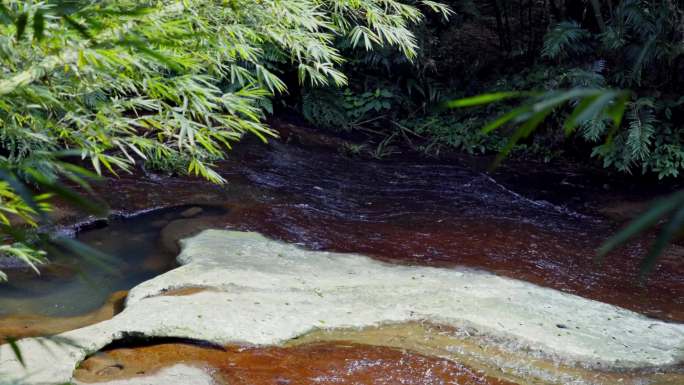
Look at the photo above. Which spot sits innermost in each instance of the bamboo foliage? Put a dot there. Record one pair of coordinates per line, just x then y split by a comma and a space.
165, 82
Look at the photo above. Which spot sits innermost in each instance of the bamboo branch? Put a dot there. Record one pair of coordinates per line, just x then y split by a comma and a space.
70, 56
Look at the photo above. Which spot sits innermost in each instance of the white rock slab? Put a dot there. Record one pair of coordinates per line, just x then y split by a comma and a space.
267, 292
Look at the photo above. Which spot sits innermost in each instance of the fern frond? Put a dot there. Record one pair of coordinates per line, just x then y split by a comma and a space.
641, 121
564, 38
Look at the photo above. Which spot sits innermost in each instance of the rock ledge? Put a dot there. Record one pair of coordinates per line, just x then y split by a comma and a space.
267, 292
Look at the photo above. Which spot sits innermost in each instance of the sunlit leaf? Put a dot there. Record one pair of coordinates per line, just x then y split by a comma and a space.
483, 99
21, 190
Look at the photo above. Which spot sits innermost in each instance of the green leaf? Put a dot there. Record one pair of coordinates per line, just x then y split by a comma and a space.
22, 191
524, 131
80, 28
617, 111
38, 25
483, 99
675, 224
21, 22
573, 120
643, 222
15, 349
5, 15
89, 254
591, 107
67, 194
505, 118
555, 98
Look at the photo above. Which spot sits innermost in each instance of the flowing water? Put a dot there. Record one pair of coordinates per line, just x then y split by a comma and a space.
417, 213
437, 214
403, 212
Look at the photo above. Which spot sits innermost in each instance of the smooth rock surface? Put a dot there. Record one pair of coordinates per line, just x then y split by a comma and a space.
267, 292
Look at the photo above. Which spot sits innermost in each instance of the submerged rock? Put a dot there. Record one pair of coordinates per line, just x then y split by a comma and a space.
22, 326
176, 230
192, 212
310, 364
266, 292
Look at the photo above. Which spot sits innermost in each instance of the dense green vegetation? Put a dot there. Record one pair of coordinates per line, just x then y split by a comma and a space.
95, 86
106, 84
90, 87
591, 80
505, 45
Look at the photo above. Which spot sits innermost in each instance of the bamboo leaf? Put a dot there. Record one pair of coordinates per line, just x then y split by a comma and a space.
591, 107
483, 99
617, 111
23, 192
522, 132
5, 15
573, 120
505, 118
67, 194
675, 224
16, 350
81, 28
643, 222
20, 24
38, 25
89, 254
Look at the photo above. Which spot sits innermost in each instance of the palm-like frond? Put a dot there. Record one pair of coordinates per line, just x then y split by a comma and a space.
564, 38
641, 121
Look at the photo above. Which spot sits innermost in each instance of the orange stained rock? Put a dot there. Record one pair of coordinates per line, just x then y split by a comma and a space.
336, 363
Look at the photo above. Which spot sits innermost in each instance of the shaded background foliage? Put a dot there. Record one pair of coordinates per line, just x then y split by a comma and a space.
504, 45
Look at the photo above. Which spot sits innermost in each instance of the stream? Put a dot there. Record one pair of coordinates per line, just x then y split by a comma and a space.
427, 214
417, 213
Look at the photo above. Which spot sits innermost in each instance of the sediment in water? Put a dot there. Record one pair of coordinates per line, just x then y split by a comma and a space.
315, 363
414, 353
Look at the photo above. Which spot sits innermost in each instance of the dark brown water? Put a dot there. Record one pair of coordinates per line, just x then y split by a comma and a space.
410, 213
443, 215
417, 213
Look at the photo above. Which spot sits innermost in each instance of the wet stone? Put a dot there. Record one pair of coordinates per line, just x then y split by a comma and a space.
192, 212
179, 229
336, 363
252, 279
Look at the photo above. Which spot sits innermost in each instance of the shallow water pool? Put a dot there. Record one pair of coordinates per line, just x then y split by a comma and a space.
70, 286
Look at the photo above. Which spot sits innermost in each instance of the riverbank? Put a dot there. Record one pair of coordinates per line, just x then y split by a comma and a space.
268, 293
434, 214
